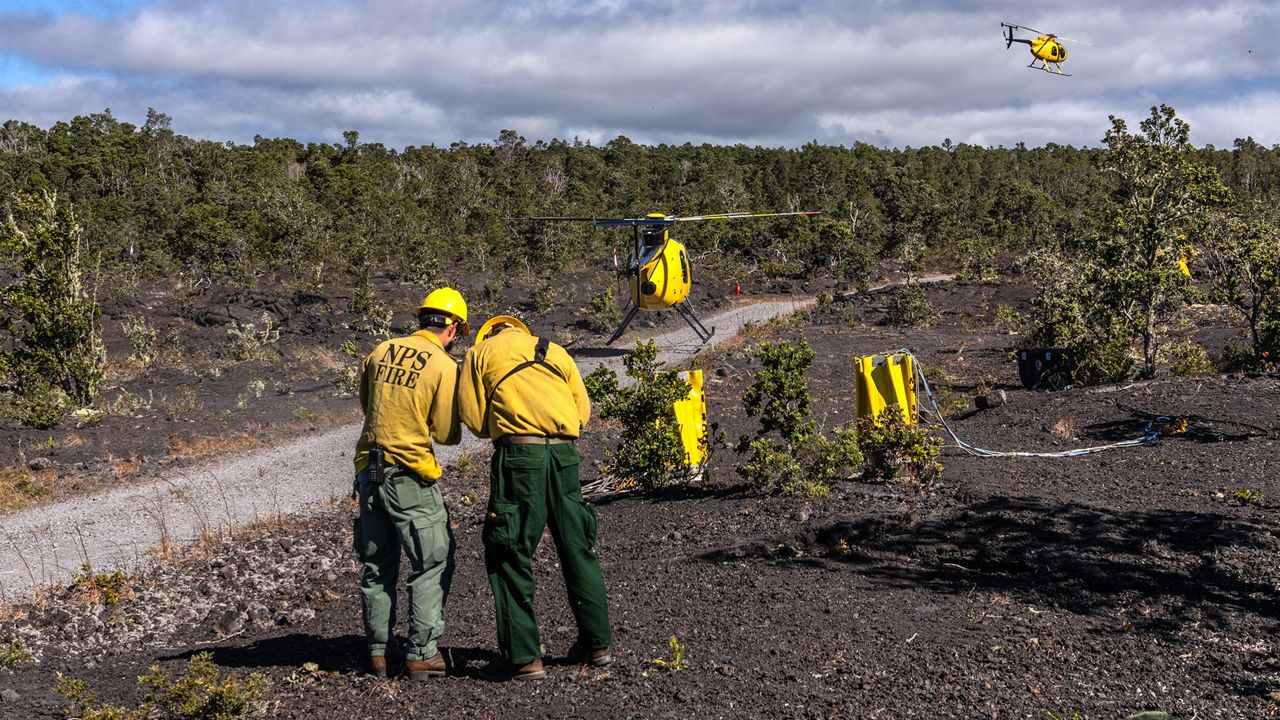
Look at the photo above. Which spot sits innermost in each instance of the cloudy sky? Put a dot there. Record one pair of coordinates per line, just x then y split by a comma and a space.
415, 72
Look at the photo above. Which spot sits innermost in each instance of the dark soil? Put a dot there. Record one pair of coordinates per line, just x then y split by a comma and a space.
1126, 581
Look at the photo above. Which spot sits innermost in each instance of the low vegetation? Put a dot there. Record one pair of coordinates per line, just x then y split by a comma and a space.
788, 453
201, 692
674, 661
101, 588
650, 453
899, 451
12, 653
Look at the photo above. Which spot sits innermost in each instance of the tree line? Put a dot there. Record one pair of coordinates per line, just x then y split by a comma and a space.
160, 202
1118, 238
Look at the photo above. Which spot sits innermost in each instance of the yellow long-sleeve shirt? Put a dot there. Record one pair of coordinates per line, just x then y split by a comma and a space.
408, 391
533, 401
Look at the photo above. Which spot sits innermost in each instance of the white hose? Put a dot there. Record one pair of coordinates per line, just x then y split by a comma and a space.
1150, 434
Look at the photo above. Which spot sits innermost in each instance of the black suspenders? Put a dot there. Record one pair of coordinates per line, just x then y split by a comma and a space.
539, 358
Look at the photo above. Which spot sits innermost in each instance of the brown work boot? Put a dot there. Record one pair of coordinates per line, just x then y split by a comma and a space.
422, 669
581, 654
378, 666
504, 670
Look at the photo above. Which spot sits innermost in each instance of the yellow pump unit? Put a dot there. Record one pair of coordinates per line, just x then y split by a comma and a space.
691, 416
885, 380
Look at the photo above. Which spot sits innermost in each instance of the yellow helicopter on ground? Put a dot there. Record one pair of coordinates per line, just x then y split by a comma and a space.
1045, 48
659, 275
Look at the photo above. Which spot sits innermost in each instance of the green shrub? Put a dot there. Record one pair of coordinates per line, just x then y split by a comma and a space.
200, 693
809, 465
603, 307
778, 394
788, 454
1244, 256
650, 451
542, 300
373, 316
909, 307
42, 405
104, 588
13, 652
850, 259
1189, 360
976, 257
1234, 358
346, 380
252, 342
142, 337
57, 358
1010, 320
897, 452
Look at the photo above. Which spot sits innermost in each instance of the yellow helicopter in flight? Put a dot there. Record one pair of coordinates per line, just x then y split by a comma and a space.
1045, 48
659, 275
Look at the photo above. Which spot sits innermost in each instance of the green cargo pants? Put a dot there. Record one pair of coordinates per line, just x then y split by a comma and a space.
532, 487
403, 513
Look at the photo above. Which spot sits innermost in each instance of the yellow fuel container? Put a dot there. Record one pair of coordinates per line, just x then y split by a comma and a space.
885, 380
691, 415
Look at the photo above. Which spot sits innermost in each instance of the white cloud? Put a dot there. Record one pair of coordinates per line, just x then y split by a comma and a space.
655, 70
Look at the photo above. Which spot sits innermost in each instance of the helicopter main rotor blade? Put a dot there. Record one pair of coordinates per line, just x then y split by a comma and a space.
598, 222
1082, 42
659, 221
737, 215
1011, 26
631, 222
555, 218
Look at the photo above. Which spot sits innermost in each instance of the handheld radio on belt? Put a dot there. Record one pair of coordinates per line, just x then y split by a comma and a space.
377, 464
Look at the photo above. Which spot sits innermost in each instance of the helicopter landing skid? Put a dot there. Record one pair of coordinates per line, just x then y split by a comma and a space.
1045, 67
686, 312
622, 326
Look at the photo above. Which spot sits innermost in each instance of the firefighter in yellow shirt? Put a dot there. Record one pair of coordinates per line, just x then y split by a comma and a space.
526, 394
407, 390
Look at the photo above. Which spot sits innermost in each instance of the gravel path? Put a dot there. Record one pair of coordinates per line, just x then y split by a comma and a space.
48, 544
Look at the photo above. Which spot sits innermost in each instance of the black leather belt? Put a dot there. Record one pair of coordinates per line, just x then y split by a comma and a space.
532, 440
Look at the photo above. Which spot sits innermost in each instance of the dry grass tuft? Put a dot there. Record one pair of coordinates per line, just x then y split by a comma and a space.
95, 588
188, 448
472, 466
10, 613
20, 487
1065, 427
127, 466
306, 417
319, 357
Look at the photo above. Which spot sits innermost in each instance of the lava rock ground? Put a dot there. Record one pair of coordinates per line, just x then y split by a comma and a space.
1105, 585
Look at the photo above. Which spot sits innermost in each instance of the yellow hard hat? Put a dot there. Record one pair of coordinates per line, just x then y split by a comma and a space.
497, 320
448, 301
